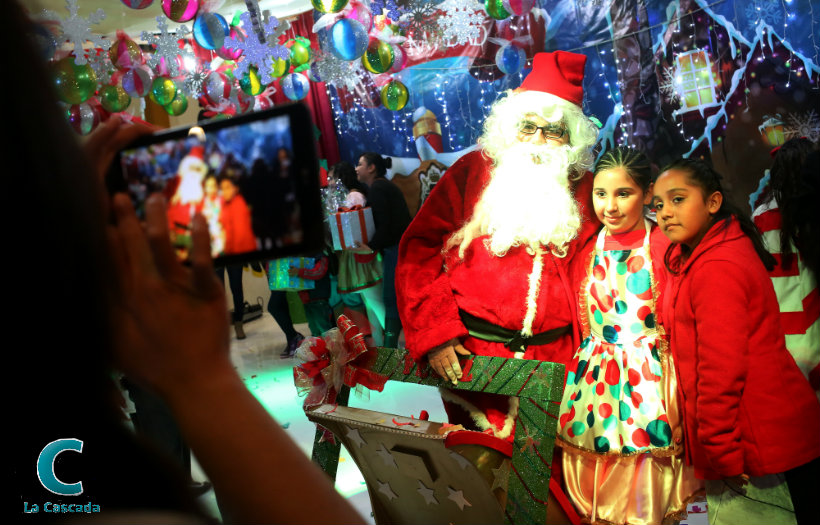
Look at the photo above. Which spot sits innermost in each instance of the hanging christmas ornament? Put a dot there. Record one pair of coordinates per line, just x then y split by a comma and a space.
180, 10
495, 8
261, 47
250, 84
348, 39
459, 24
210, 30
244, 101
167, 48
399, 58
124, 52
360, 13
178, 105
163, 90
279, 68
44, 40
114, 99
295, 86
83, 118
137, 81
394, 95
300, 53
510, 59
378, 58
328, 6
217, 89
74, 83
519, 7
313, 72
237, 35
137, 4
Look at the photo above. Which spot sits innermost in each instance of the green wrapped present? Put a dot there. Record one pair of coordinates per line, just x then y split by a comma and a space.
279, 279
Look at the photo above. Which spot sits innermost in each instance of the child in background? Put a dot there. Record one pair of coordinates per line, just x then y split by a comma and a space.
790, 228
318, 312
751, 420
619, 418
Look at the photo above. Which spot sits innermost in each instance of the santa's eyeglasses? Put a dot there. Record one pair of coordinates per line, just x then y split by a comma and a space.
554, 131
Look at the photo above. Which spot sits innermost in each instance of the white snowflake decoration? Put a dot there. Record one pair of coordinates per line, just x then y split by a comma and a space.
460, 23
764, 11
77, 30
259, 54
805, 125
352, 122
194, 82
339, 73
669, 84
102, 66
167, 47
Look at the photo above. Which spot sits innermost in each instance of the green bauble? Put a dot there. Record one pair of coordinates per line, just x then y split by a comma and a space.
379, 56
114, 99
394, 95
178, 105
163, 90
328, 6
279, 67
299, 51
250, 82
75, 84
495, 8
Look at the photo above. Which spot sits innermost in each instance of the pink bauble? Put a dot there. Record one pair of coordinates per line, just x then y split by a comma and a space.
227, 53
361, 13
136, 81
180, 10
399, 58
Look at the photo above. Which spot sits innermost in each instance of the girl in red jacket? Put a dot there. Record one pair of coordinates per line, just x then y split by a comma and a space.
751, 420
620, 426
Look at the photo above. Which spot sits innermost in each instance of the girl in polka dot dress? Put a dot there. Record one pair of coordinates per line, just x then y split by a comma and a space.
619, 423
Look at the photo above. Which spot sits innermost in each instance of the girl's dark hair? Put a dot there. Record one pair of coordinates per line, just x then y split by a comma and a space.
707, 179
382, 164
635, 163
793, 191
345, 172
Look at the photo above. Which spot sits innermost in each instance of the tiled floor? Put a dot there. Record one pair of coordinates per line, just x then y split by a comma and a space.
270, 378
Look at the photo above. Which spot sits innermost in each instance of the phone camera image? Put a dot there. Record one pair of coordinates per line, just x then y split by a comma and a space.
251, 178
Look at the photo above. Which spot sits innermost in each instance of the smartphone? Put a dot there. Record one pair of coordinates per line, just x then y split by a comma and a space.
254, 177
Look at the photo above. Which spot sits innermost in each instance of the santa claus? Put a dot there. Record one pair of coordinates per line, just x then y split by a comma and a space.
185, 193
483, 267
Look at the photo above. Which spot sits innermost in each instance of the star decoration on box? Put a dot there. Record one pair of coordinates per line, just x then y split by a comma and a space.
77, 30
259, 53
460, 23
386, 456
427, 493
385, 489
458, 497
355, 436
529, 443
461, 460
501, 476
167, 47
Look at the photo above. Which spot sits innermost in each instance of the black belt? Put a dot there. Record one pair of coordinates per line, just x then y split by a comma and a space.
514, 340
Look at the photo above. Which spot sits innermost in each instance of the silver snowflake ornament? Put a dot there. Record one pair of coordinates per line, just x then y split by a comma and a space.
805, 125
102, 66
338, 72
259, 52
669, 84
77, 30
460, 23
419, 17
193, 84
167, 47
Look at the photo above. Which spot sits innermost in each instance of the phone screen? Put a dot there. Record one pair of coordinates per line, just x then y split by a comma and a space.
250, 177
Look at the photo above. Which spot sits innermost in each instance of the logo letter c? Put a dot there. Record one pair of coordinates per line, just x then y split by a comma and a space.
45, 467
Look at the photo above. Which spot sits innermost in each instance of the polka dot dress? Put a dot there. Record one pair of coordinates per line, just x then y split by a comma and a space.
613, 399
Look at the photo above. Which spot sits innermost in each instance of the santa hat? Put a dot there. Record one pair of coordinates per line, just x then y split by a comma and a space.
558, 73
198, 152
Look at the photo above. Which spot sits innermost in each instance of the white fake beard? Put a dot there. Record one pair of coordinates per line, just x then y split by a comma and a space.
527, 203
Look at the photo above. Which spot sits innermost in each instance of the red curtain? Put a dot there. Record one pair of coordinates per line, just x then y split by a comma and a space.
317, 100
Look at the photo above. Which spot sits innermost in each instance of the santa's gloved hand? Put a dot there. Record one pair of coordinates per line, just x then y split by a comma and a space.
443, 359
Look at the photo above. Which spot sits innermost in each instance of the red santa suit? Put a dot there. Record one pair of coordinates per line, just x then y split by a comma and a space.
436, 289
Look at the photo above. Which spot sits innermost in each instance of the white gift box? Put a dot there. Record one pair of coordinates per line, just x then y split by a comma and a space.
352, 227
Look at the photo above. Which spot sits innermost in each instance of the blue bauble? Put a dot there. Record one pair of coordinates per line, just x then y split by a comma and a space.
510, 59
348, 39
210, 30
295, 86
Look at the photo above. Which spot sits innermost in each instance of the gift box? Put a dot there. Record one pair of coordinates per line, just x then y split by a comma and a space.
352, 226
279, 279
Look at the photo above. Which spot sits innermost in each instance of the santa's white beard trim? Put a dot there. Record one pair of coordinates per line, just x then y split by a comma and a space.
532, 292
478, 416
526, 203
